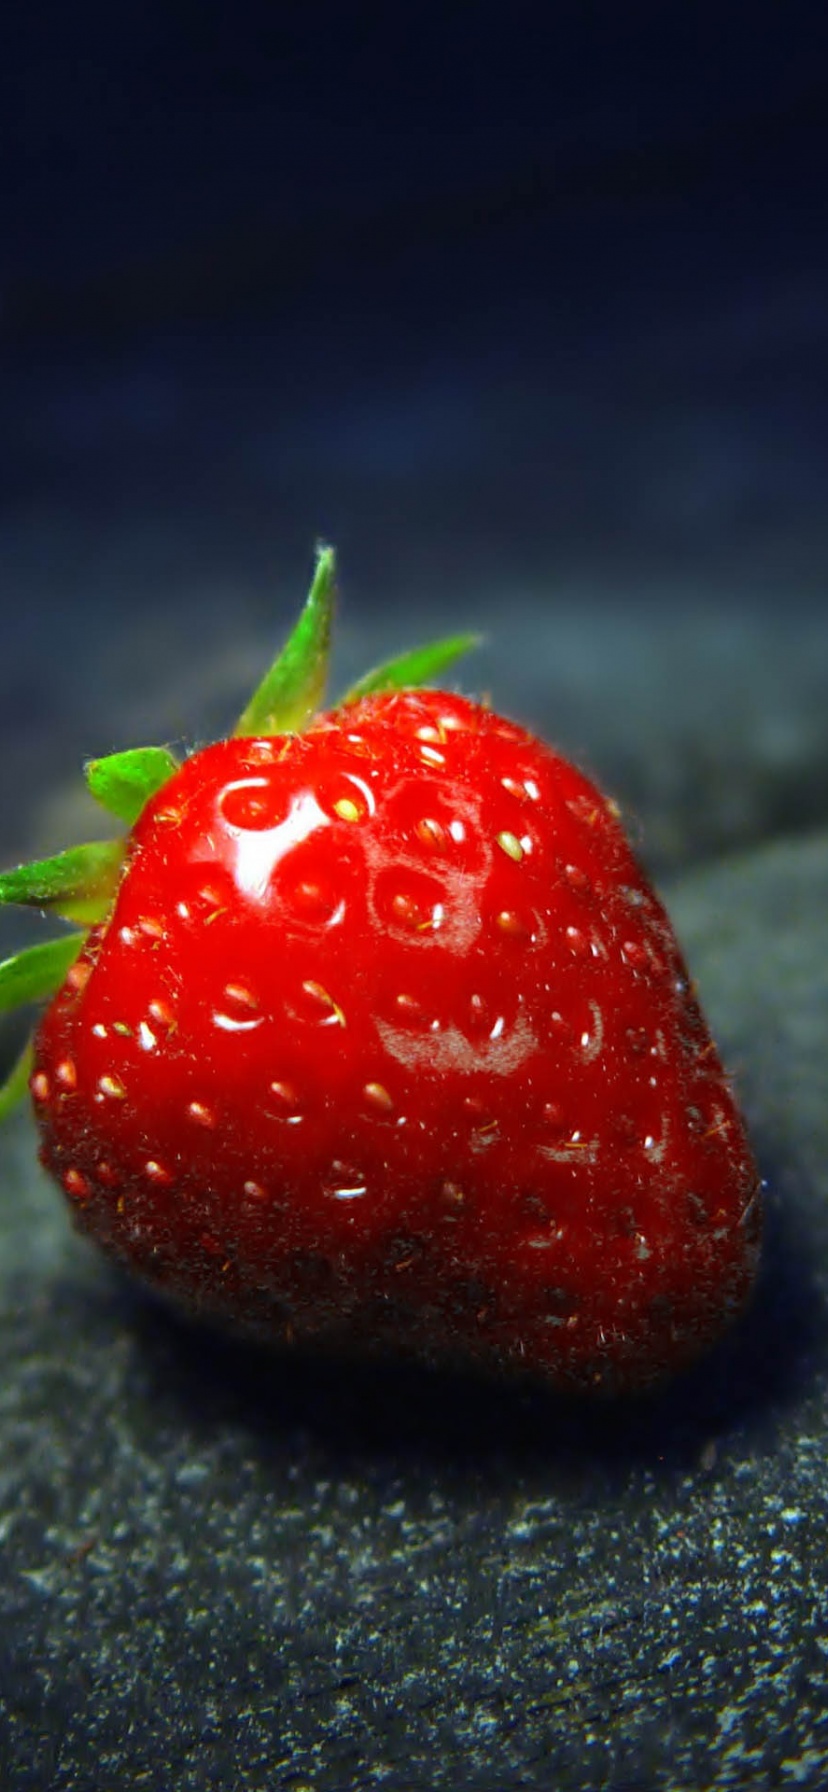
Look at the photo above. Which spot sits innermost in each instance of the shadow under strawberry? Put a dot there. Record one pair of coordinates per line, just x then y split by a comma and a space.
367, 1411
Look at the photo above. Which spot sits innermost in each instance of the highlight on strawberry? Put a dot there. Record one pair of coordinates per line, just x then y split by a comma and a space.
369, 1033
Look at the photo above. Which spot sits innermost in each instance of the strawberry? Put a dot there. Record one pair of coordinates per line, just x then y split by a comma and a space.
375, 1035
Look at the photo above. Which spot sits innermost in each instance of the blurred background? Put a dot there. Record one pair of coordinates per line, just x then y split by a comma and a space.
525, 309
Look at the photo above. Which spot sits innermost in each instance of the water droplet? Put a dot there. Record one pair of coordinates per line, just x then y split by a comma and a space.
66, 1075
198, 1112
99, 1030
146, 1037
577, 941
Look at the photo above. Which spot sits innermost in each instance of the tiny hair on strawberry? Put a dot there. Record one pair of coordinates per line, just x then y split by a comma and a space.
369, 1034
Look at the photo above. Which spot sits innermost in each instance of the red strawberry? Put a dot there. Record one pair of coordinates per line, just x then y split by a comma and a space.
381, 1038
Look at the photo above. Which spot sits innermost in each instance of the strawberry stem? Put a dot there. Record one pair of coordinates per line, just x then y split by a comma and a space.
419, 666
16, 1084
293, 689
37, 971
78, 884
124, 782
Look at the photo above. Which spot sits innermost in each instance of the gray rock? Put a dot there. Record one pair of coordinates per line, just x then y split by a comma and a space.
220, 1569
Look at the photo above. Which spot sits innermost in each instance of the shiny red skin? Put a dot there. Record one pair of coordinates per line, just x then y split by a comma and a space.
388, 1043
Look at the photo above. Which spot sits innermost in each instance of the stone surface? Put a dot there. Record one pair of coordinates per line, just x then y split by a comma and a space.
220, 1569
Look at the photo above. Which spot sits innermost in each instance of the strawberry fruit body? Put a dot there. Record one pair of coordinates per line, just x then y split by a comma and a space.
384, 1041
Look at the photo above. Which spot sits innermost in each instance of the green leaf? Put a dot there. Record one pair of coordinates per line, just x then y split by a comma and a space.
16, 1084
294, 688
420, 666
37, 971
124, 782
78, 884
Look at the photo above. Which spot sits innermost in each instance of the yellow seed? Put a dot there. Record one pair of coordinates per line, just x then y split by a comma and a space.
75, 1183
238, 992
430, 832
157, 1173
378, 1096
453, 1192
510, 844
510, 923
203, 1116
347, 809
321, 995
112, 1085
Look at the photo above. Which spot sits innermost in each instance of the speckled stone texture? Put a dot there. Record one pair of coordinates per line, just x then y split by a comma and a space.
220, 1569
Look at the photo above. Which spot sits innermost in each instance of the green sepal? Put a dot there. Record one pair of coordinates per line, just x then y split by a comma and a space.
419, 666
293, 690
78, 884
124, 782
37, 971
16, 1083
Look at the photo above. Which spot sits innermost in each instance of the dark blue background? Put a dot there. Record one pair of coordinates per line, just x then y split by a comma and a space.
526, 311
535, 290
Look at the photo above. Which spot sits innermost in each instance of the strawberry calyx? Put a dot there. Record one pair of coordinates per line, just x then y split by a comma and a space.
80, 884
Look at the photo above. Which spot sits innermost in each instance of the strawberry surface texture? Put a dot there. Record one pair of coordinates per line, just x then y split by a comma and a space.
384, 1042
